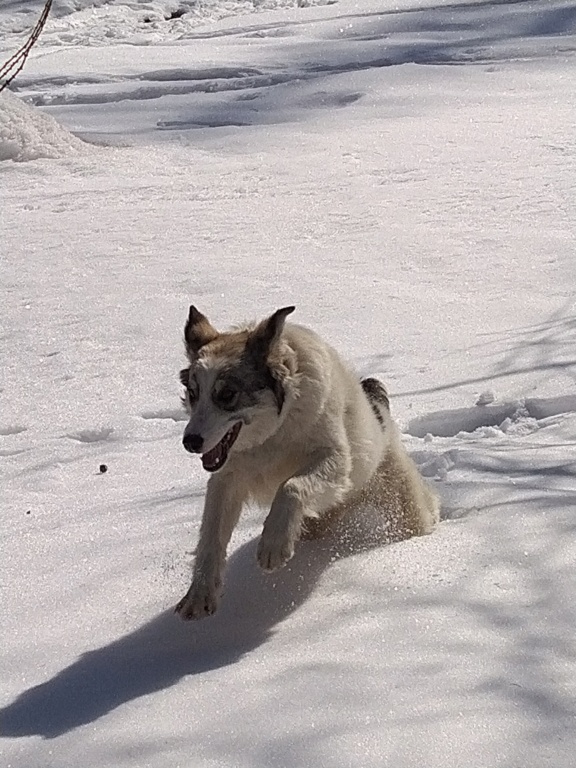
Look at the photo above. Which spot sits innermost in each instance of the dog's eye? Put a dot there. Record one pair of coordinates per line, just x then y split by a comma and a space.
192, 394
226, 396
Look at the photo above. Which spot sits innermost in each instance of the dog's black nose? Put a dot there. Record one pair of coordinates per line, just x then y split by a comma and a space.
193, 443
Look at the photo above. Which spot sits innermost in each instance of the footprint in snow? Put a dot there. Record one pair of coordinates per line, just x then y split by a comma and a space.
92, 435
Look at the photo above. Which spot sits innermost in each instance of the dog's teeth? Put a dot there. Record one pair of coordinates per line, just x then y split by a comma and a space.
216, 458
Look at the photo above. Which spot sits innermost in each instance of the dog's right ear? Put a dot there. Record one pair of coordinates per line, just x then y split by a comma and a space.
198, 332
267, 333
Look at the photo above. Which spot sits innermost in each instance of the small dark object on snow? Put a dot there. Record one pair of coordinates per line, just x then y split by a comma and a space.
177, 14
27, 511
103, 468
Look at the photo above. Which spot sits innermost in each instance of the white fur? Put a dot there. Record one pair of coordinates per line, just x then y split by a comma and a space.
324, 454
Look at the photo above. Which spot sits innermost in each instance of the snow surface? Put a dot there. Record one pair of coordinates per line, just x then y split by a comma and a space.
406, 176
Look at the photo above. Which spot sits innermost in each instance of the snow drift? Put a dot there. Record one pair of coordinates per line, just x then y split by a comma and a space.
26, 133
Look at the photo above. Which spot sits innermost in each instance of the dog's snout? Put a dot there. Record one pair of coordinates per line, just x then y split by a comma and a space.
193, 443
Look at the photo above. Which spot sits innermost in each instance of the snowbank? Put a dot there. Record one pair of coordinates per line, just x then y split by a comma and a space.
28, 134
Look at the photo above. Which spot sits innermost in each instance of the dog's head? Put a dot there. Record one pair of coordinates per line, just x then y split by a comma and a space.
235, 383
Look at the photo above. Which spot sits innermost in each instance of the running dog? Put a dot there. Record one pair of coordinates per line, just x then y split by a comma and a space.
279, 419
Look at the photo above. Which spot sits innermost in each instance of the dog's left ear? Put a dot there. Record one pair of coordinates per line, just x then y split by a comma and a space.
267, 333
198, 331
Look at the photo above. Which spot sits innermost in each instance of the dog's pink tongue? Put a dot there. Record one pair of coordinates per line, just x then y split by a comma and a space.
213, 458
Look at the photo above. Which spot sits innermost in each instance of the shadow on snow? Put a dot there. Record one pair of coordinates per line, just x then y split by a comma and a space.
161, 652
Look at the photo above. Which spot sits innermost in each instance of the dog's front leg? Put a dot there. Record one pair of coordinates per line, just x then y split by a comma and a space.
321, 486
221, 512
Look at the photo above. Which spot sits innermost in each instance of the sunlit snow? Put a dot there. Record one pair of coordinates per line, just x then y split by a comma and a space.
405, 174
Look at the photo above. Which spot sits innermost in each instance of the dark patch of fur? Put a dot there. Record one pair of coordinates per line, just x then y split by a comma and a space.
250, 379
259, 361
267, 376
229, 383
277, 390
265, 379
246, 378
377, 396
263, 346
267, 333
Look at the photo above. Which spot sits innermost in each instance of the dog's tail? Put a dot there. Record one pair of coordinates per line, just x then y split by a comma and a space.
377, 396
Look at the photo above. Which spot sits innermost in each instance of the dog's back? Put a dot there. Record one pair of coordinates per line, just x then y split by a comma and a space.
330, 409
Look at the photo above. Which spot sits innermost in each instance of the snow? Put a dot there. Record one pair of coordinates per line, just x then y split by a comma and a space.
405, 175
28, 134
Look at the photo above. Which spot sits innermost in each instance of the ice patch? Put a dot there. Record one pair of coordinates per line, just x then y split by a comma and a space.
28, 134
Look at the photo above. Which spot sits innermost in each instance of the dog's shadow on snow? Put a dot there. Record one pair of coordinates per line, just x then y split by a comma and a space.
166, 649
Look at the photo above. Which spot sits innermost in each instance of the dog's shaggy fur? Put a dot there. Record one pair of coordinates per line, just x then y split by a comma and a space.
278, 418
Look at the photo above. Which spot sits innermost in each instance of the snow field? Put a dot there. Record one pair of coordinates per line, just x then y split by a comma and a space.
405, 177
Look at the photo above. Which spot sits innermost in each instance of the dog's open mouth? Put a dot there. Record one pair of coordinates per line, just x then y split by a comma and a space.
216, 458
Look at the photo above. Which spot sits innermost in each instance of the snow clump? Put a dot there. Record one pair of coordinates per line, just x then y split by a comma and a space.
27, 133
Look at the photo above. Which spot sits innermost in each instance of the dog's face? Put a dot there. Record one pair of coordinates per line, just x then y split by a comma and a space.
234, 384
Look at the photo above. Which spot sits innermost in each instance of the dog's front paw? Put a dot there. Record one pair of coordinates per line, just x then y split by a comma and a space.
273, 554
200, 601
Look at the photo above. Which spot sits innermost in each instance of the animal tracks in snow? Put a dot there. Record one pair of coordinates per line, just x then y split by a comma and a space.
452, 422
173, 414
130, 433
12, 429
92, 435
158, 83
518, 418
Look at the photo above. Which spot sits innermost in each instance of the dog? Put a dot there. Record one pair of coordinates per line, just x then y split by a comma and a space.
279, 419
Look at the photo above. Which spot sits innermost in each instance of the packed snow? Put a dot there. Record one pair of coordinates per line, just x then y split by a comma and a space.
28, 134
405, 175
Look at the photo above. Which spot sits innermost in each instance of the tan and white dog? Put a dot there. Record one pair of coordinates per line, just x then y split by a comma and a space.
278, 418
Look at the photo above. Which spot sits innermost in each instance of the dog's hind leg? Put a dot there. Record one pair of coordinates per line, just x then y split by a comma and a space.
411, 507
221, 512
319, 527
322, 486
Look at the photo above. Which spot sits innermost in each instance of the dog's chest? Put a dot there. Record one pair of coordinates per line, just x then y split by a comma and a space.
263, 472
